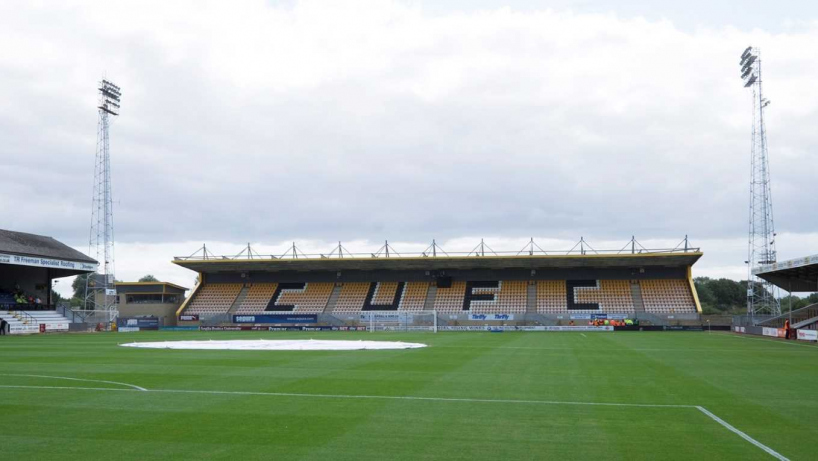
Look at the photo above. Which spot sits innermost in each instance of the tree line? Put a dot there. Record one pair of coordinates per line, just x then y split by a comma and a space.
727, 296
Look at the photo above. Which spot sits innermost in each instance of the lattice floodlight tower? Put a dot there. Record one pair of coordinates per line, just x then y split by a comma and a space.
761, 295
100, 292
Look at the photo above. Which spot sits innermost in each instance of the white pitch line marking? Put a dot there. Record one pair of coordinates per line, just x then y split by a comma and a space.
583, 335
347, 396
77, 379
709, 414
744, 436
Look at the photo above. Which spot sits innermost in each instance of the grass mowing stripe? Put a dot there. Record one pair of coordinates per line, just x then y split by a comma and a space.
731, 379
727, 425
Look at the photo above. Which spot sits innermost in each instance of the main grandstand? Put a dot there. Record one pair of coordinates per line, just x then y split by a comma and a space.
539, 287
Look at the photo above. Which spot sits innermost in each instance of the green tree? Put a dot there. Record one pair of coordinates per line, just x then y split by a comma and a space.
721, 295
148, 278
55, 297
78, 285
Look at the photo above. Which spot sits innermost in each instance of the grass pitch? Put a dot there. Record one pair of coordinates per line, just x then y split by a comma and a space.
528, 395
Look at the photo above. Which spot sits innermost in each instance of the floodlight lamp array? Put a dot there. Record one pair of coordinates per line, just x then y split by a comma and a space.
109, 96
749, 59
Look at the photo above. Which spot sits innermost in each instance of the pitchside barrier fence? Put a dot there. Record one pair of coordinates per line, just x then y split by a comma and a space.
435, 321
484, 328
800, 334
466, 319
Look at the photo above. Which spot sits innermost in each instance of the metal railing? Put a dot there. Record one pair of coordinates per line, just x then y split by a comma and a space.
797, 316
24, 317
581, 248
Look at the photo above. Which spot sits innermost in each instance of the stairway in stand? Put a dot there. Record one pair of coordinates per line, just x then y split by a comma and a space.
429, 304
333, 299
636, 293
239, 299
531, 299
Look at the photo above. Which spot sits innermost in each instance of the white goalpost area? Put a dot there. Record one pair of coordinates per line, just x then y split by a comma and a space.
400, 321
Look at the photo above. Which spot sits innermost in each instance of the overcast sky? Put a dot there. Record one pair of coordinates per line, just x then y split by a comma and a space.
308, 121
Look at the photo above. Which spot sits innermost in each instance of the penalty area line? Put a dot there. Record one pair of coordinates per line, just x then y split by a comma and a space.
741, 434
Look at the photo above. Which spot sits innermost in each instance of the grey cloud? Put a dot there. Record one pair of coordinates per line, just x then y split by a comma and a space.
467, 132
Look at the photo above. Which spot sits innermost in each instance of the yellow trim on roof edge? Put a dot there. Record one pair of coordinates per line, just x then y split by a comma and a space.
434, 258
693, 289
187, 300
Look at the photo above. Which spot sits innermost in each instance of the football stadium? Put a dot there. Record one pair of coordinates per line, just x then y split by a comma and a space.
533, 355
266, 122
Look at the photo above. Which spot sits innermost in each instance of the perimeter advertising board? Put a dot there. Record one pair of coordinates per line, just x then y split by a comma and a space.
276, 318
602, 316
290, 328
137, 324
808, 335
774, 332
525, 328
491, 316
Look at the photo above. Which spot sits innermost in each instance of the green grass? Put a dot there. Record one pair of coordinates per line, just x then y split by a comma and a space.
764, 388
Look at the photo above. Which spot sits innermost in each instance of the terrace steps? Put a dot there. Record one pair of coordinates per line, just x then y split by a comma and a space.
636, 293
429, 304
333, 299
237, 302
531, 299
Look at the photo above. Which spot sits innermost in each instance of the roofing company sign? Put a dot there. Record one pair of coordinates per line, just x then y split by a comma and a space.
36, 261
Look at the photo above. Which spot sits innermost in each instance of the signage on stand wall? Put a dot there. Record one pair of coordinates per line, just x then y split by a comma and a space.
50, 263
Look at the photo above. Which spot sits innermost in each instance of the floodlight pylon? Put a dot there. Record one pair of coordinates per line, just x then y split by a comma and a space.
100, 290
762, 296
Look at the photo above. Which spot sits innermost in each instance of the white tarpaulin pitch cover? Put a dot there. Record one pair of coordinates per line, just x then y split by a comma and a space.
278, 345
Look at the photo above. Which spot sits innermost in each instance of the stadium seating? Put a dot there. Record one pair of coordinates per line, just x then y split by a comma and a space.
257, 299
308, 298
353, 296
612, 296
450, 300
479, 297
551, 297
312, 299
504, 297
414, 296
214, 299
512, 298
667, 296
7, 298
509, 298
